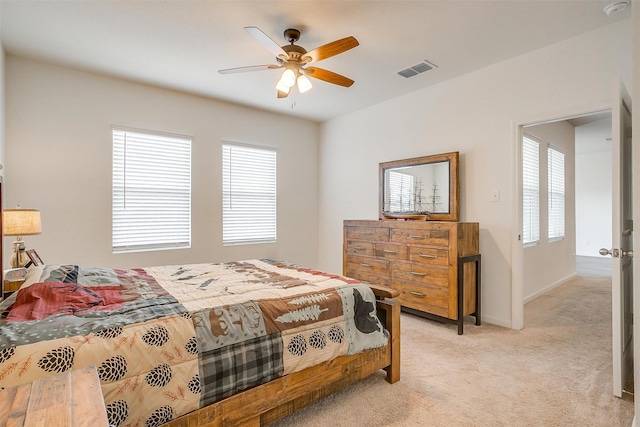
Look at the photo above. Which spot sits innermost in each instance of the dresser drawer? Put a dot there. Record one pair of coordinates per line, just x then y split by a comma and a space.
391, 251
368, 265
358, 247
420, 236
420, 274
371, 234
430, 300
368, 277
432, 256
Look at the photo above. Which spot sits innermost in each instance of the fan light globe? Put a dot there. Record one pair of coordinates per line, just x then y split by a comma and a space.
304, 84
282, 88
288, 78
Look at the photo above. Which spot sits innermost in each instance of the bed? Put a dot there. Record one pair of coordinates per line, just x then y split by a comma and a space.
239, 343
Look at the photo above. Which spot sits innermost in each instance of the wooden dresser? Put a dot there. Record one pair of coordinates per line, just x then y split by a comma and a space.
434, 265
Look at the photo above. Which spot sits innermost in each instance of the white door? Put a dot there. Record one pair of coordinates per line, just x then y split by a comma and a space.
622, 241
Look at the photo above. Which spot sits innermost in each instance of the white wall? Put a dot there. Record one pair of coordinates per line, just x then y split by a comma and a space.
475, 114
593, 188
59, 148
635, 94
2, 106
558, 256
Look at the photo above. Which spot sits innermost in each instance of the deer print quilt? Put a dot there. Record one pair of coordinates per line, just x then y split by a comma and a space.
170, 339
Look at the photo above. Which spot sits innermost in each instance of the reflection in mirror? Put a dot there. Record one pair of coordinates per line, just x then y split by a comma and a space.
420, 188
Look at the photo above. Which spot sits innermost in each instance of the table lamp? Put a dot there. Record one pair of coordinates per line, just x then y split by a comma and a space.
20, 222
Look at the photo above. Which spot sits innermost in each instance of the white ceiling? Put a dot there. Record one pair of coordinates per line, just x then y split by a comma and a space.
181, 44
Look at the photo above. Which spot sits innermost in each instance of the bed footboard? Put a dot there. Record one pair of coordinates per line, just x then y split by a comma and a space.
271, 401
389, 315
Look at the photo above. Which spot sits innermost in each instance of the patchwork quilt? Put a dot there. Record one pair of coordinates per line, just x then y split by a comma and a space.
168, 340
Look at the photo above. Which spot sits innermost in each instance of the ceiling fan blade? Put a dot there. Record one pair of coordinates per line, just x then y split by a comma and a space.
282, 94
328, 76
267, 42
330, 49
250, 68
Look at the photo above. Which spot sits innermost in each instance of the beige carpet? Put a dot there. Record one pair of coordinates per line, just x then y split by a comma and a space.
555, 372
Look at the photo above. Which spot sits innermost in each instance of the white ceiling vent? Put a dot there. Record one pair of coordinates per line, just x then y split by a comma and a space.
416, 69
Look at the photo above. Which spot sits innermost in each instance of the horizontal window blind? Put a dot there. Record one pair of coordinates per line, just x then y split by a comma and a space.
248, 195
151, 191
530, 191
556, 193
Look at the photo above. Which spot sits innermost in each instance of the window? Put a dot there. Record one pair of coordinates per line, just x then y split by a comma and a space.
556, 193
248, 195
530, 191
401, 186
151, 191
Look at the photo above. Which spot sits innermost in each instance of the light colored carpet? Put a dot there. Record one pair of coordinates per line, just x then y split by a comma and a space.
555, 372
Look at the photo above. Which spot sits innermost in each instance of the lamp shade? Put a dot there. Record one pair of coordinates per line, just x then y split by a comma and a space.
21, 222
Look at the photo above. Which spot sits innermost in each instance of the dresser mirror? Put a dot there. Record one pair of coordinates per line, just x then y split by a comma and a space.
420, 188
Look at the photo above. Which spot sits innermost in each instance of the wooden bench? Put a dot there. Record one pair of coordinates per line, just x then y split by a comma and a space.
70, 399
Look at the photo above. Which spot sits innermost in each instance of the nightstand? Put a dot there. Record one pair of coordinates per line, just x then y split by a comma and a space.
13, 279
10, 287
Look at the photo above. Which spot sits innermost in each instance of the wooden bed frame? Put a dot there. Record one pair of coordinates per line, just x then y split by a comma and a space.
268, 402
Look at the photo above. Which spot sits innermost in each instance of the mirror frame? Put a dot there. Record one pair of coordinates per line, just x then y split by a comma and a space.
454, 183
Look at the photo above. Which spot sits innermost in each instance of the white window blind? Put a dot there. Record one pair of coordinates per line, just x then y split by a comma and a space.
556, 193
401, 185
530, 191
151, 191
248, 195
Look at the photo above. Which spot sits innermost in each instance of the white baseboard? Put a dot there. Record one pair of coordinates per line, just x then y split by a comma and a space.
498, 322
548, 288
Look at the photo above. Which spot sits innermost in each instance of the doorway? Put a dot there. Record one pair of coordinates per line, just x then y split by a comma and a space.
584, 144
621, 190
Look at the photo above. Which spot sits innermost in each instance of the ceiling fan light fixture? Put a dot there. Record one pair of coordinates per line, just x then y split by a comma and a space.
282, 88
304, 84
288, 78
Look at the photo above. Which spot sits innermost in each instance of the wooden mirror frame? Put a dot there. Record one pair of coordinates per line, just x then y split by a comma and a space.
454, 183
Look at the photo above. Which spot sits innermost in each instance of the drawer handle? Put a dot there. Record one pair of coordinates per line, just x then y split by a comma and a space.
417, 294
366, 233
427, 255
387, 251
358, 248
417, 237
365, 265
417, 274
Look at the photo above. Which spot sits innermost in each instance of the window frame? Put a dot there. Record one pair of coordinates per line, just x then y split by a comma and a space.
553, 189
535, 236
237, 226
134, 185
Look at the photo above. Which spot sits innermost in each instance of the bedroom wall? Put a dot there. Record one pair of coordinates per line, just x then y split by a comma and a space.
593, 188
557, 257
476, 114
59, 151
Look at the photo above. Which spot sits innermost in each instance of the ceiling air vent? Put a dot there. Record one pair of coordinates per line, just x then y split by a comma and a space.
416, 69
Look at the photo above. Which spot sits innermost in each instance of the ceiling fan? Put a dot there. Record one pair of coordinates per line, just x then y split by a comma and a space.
295, 60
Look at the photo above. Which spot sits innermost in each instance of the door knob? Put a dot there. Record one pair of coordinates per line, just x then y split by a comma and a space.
628, 254
613, 252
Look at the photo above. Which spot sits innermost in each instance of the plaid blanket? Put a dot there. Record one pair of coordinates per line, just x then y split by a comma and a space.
170, 339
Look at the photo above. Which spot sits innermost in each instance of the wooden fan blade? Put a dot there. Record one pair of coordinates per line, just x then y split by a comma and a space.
267, 42
282, 94
328, 76
250, 68
330, 49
